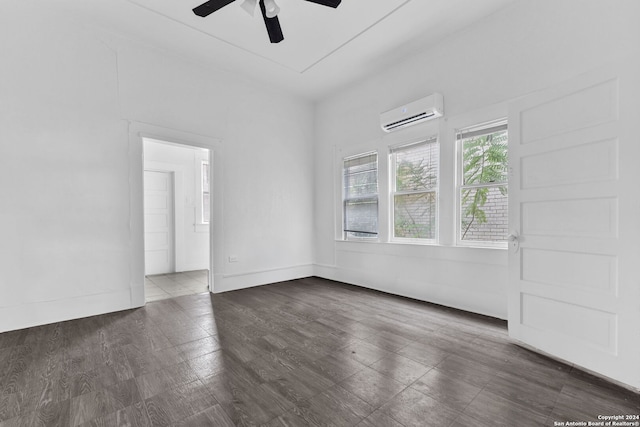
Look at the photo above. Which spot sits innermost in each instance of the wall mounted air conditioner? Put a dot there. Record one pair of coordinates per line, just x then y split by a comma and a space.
430, 107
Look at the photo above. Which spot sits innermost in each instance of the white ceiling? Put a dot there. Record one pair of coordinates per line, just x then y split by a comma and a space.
323, 50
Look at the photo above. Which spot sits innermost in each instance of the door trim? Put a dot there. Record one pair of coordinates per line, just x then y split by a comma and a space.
138, 131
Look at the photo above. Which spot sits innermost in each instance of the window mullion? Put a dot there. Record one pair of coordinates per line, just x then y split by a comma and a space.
492, 184
409, 192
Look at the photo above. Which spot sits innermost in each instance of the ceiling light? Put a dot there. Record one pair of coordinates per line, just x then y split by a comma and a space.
272, 8
249, 6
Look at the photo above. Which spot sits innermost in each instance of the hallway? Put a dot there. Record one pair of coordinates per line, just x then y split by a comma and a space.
163, 286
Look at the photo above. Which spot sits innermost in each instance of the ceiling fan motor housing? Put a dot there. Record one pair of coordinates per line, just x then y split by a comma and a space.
269, 11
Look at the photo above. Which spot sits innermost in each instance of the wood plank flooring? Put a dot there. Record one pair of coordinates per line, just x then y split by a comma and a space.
306, 352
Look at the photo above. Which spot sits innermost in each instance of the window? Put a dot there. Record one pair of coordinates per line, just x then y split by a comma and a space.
483, 165
360, 196
205, 192
414, 186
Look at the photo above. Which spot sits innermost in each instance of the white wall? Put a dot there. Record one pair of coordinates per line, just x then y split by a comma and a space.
527, 47
69, 174
191, 235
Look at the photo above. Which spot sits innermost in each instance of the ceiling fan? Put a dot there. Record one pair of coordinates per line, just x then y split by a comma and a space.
269, 10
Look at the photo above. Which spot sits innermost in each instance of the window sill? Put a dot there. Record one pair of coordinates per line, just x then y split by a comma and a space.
483, 245
498, 247
356, 240
417, 242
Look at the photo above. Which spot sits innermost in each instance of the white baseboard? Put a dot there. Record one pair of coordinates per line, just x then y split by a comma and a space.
46, 312
474, 302
41, 313
325, 271
193, 267
233, 282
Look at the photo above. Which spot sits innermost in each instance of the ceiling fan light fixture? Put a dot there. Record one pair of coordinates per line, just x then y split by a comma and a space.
271, 8
249, 6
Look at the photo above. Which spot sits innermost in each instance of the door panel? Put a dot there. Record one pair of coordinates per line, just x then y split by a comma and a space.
594, 273
574, 205
598, 161
594, 217
583, 108
158, 222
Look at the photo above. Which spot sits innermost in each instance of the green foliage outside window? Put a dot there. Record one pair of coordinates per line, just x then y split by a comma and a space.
485, 162
414, 213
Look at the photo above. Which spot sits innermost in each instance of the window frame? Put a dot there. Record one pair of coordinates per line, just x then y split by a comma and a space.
344, 233
204, 219
393, 150
460, 186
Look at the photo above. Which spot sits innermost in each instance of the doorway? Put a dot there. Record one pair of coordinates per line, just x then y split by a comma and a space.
176, 219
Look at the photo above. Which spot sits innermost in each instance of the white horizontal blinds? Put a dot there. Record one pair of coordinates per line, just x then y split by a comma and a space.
483, 190
416, 169
360, 204
484, 152
483, 129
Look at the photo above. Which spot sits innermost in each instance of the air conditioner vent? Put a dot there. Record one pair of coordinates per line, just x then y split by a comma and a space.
413, 113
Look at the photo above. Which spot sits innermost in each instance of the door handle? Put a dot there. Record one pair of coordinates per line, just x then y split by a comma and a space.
514, 241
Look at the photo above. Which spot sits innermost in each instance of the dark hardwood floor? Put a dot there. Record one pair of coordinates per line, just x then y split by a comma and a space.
306, 352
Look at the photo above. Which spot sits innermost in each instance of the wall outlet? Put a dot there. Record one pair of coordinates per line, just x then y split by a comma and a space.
233, 258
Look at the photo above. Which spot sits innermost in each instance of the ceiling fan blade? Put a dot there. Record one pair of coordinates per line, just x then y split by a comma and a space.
272, 24
329, 3
206, 9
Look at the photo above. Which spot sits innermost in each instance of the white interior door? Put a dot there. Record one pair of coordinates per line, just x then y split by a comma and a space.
574, 200
158, 222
